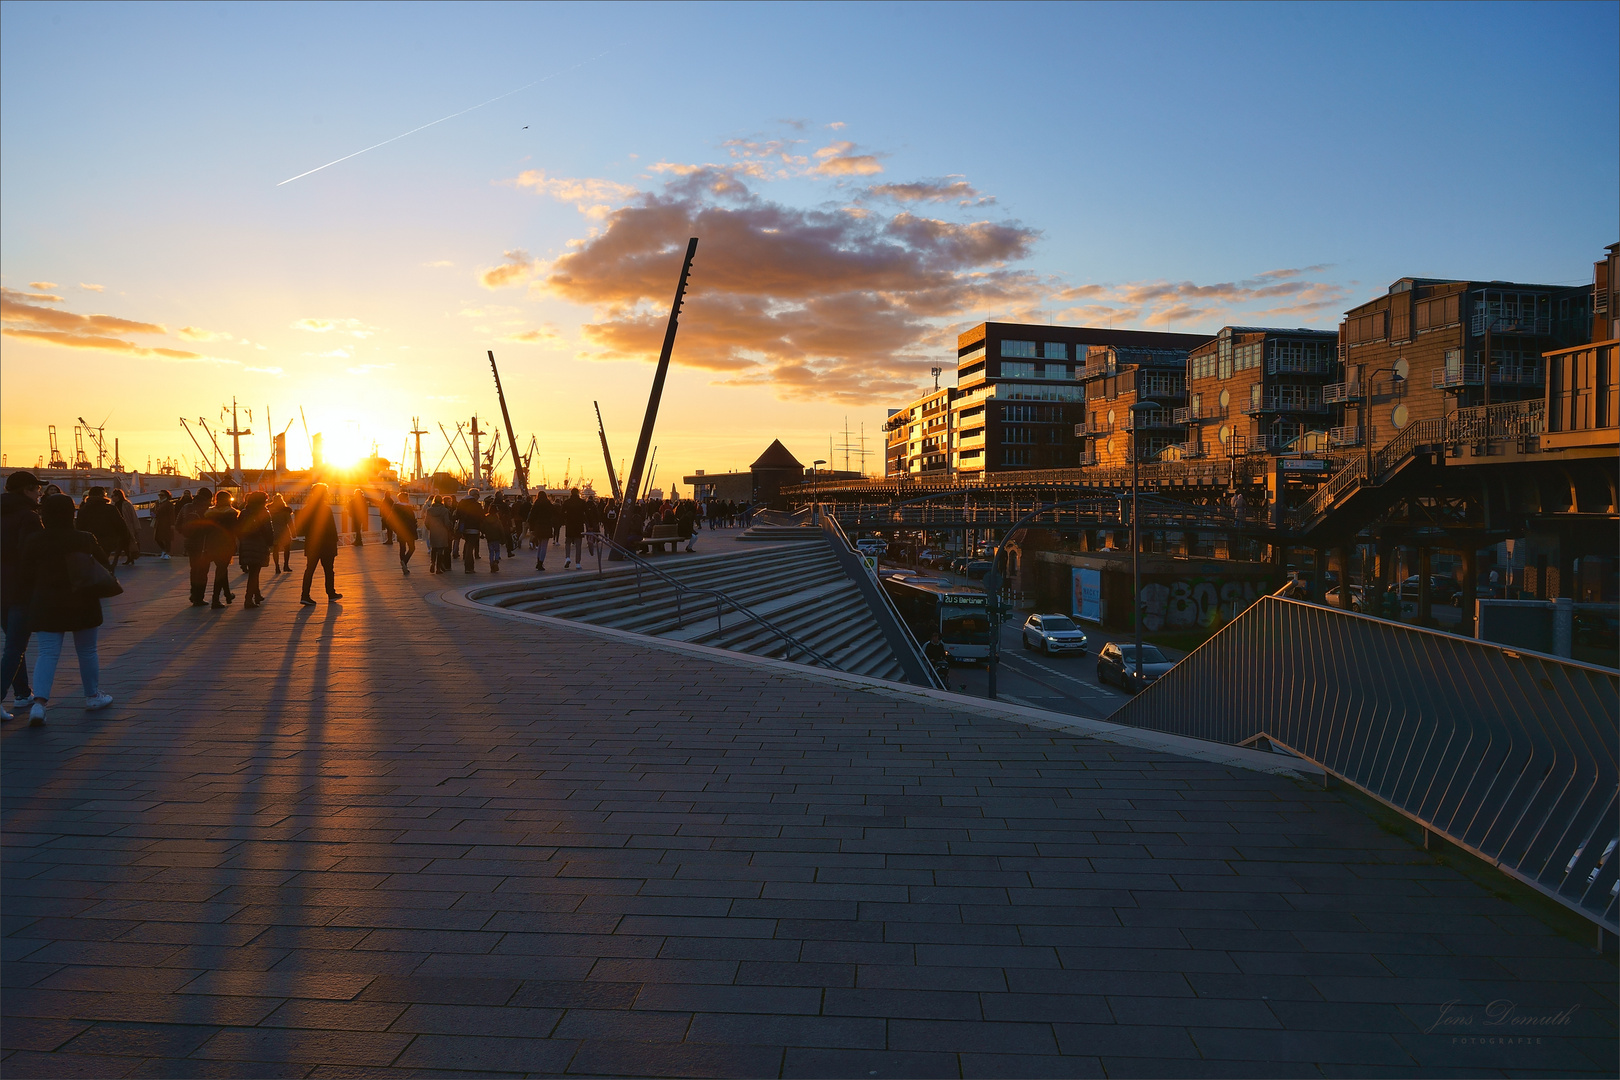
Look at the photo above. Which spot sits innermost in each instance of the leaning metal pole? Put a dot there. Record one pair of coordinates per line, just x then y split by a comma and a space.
627, 534
520, 477
601, 433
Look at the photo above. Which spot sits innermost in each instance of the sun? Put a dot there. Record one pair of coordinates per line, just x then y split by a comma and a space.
342, 447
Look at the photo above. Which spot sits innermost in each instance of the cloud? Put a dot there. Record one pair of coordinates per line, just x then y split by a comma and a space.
92, 288
815, 303
193, 333
1269, 295
352, 327
518, 268
42, 297
53, 326
946, 190
546, 334
837, 159
45, 286
592, 197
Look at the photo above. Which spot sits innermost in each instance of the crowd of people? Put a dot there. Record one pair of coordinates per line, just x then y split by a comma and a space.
60, 558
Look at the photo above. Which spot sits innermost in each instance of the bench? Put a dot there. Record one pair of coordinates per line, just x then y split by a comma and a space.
661, 535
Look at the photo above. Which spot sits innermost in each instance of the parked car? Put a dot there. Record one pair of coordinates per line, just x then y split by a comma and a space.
1597, 630
872, 545
1441, 589
1054, 634
1116, 664
977, 568
932, 558
1358, 598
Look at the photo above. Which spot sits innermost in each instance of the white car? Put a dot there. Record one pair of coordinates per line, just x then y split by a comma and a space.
1054, 634
872, 545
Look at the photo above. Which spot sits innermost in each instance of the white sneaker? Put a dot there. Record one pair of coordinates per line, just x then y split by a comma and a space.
22, 702
4, 715
100, 701
568, 564
164, 556
36, 715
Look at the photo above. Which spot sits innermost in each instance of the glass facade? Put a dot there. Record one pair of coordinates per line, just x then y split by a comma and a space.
1018, 348
1030, 392
1017, 371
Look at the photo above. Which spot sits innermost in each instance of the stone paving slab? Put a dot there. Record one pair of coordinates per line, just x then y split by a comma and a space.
392, 837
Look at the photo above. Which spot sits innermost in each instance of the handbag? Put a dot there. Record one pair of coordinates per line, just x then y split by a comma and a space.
87, 576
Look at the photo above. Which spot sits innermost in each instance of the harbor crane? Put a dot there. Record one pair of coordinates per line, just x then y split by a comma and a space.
57, 461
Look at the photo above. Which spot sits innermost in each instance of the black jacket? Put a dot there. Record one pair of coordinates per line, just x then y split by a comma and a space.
19, 519
54, 605
219, 534
319, 531
573, 515
469, 516
101, 518
254, 536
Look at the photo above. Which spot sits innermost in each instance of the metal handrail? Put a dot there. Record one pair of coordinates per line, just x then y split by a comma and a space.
681, 588
1508, 754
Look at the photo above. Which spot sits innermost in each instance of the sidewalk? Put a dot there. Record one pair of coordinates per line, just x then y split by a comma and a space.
393, 837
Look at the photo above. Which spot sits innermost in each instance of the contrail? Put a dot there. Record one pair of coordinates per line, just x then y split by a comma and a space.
452, 116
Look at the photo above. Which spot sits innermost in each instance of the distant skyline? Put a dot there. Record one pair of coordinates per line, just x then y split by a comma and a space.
866, 181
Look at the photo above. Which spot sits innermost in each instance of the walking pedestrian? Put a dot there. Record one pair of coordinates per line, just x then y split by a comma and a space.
470, 523
573, 519
255, 535
281, 524
19, 519
192, 529
541, 517
98, 517
219, 544
359, 514
163, 523
126, 510
319, 530
400, 517
58, 605
436, 519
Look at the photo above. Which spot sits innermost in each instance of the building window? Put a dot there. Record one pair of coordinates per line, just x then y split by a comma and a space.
1056, 350
1039, 392
1018, 348
1057, 371
1017, 371
1015, 457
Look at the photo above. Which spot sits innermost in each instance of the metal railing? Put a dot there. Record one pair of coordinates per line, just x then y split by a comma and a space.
1511, 324
1159, 386
1474, 375
891, 624
1301, 365
1508, 754
1341, 392
981, 509
719, 598
1347, 435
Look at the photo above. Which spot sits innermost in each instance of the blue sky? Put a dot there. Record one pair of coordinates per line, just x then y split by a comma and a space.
1141, 165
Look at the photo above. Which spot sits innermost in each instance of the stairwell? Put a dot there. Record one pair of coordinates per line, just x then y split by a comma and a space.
786, 574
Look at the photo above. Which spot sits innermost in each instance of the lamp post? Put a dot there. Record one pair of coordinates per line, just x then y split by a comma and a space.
815, 487
1137, 411
1397, 374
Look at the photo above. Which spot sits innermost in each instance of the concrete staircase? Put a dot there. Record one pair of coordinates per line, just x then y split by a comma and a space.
787, 575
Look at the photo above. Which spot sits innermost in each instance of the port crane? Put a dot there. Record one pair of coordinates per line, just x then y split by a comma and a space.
57, 461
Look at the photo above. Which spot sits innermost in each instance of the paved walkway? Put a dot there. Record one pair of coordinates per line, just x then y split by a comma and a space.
390, 837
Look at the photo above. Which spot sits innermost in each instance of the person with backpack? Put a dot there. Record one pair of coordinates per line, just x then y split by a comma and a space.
59, 563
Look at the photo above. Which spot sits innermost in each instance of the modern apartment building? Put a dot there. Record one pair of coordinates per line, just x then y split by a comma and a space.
1606, 296
1259, 389
1421, 350
1116, 379
1022, 387
917, 438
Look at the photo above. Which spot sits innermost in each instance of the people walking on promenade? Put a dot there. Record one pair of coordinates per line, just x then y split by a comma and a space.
686, 522
191, 526
220, 544
101, 519
281, 524
126, 510
573, 519
19, 519
60, 604
593, 524
542, 518
163, 522
439, 523
399, 518
359, 514
255, 535
319, 530
495, 536
469, 524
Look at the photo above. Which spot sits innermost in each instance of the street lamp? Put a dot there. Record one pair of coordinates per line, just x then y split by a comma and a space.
814, 488
1397, 374
1137, 411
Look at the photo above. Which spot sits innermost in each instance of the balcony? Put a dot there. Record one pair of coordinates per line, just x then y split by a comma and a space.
1534, 325
1153, 387
1096, 368
1085, 427
1349, 435
1289, 399
1185, 450
1188, 415
1265, 444
1088, 456
1464, 375
1294, 365
1341, 393
1150, 420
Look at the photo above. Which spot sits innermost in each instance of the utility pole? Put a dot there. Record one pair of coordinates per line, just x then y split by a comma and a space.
519, 477
601, 433
475, 460
625, 529
418, 431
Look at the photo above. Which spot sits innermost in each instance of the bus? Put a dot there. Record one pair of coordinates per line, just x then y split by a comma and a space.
956, 612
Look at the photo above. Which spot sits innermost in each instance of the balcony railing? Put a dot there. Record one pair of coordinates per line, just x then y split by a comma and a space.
1150, 419
1159, 386
1088, 456
1341, 392
1349, 435
1303, 399
1188, 415
1296, 365
1190, 449
1512, 324
1094, 368
1086, 427
1453, 378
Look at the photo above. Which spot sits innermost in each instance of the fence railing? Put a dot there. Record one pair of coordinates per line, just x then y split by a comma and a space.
1506, 753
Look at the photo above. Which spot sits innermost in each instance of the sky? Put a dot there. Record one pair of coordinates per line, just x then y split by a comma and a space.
865, 181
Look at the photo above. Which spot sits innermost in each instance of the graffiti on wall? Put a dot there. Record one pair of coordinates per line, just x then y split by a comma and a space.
1196, 603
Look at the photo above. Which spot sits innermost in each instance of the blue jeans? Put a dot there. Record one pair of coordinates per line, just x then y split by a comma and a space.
50, 651
14, 665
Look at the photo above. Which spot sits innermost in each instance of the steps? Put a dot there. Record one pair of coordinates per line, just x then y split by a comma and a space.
785, 574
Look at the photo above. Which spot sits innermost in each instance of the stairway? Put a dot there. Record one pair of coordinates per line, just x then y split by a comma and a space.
785, 574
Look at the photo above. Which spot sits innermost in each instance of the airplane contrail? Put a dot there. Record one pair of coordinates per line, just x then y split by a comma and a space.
452, 116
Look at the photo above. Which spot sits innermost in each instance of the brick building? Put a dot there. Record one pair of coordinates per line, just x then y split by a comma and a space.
1419, 351
1117, 378
1258, 389
1021, 390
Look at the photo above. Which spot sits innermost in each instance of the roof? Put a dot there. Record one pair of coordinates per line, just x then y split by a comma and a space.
776, 456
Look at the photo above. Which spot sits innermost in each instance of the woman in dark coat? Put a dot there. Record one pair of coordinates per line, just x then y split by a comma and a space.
101, 519
254, 537
319, 530
281, 521
56, 608
219, 544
